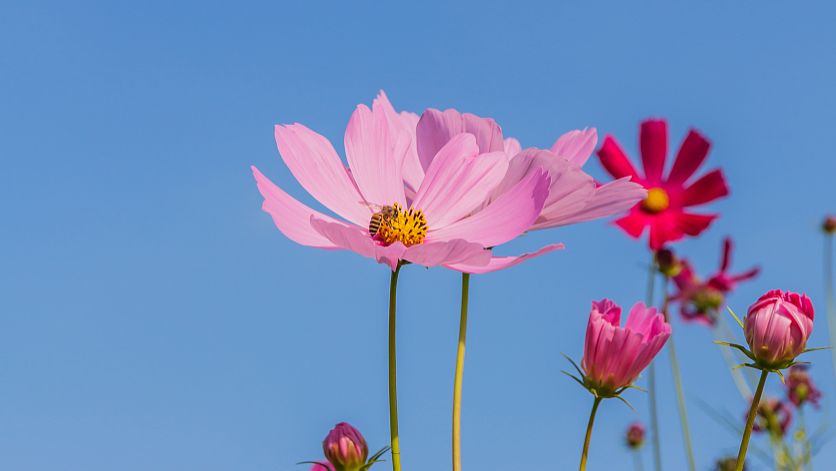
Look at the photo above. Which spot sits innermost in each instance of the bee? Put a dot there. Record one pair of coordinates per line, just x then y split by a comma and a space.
382, 216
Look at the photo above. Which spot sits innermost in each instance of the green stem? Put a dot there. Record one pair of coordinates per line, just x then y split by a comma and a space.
807, 457
637, 460
651, 378
828, 289
586, 440
680, 393
459, 375
393, 373
750, 420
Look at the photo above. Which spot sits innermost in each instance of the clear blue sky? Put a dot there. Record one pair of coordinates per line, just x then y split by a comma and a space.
152, 317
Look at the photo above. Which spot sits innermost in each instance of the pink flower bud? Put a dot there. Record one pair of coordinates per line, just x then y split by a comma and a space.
324, 466
777, 327
345, 448
800, 387
635, 435
829, 225
614, 356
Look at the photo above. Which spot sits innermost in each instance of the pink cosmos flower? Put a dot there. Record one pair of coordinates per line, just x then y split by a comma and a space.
435, 214
774, 416
700, 300
614, 356
323, 466
635, 435
800, 387
573, 196
777, 327
345, 447
665, 210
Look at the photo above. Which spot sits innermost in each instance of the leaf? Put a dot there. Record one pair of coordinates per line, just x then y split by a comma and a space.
574, 377
628, 404
739, 322
816, 349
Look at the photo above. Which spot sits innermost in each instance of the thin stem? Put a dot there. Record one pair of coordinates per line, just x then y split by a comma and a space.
393, 373
586, 440
651, 378
680, 393
637, 460
828, 289
750, 420
459, 375
807, 454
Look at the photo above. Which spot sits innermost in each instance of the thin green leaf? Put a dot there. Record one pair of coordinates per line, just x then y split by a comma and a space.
574, 377
573, 364
816, 349
739, 322
628, 404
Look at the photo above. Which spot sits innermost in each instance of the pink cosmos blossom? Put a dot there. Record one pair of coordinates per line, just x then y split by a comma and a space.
777, 327
665, 210
800, 387
700, 300
441, 216
345, 447
614, 356
635, 435
573, 196
774, 416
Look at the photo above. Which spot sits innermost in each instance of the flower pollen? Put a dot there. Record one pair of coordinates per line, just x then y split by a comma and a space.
407, 226
657, 200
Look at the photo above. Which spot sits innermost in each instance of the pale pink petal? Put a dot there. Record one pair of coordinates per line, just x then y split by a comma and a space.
375, 151
609, 199
512, 147
576, 146
413, 173
501, 263
430, 254
436, 128
511, 214
348, 237
314, 163
458, 181
290, 216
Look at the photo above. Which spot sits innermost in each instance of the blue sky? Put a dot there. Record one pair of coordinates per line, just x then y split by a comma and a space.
152, 317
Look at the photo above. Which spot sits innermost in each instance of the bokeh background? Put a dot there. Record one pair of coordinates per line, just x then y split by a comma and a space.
152, 317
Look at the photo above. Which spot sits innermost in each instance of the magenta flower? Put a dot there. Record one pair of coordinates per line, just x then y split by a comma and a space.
614, 356
666, 209
345, 448
573, 196
773, 416
800, 387
322, 466
700, 300
390, 209
777, 327
635, 435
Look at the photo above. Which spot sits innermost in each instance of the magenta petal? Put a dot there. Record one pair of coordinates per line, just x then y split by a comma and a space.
576, 146
501, 263
436, 128
432, 254
615, 161
314, 163
511, 214
356, 239
708, 188
290, 216
691, 154
653, 140
375, 148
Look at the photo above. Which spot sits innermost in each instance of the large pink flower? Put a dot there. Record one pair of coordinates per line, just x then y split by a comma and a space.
613, 356
441, 218
665, 208
573, 196
777, 327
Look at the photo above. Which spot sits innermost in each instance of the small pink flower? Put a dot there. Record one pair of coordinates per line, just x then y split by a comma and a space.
345, 447
774, 416
829, 225
800, 387
614, 356
635, 435
777, 327
323, 466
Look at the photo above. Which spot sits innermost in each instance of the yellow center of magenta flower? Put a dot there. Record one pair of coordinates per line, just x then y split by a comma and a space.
657, 200
397, 224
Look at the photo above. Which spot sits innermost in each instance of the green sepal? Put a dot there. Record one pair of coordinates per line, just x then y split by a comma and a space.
583, 385
739, 322
577, 368
625, 402
816, 349
737, 346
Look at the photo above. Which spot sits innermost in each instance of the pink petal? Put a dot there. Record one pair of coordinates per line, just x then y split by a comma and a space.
501, 263
458, 181
694, 224
690, 156
430, 254
612, 198
436, 128
511, 214
290, 216
356, 239
615, 161
708, 188
727, 250
576, 146
512, 147
413, 173
375, 151
314, 163
654, 147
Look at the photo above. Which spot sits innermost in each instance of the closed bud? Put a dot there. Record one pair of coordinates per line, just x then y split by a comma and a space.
829, 225
777, 327
345, 448
668, 263
635, 436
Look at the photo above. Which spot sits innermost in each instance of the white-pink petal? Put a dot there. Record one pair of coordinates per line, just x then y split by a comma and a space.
430, 254
436, 128
348, 237
501, 263
576, 146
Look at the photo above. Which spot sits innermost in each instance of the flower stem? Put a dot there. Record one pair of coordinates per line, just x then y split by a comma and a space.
637, 460
651, 378
828, 289
750, 420
586, 441
393, 373
680, 393
457, 382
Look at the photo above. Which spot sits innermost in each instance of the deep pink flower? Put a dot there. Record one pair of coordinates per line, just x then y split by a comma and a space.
700, 300
777, 327
614, 356
665, 208
635, 435
439, 216
800, 387
345, 447
323, 466
774, 416
573, 197
829, 225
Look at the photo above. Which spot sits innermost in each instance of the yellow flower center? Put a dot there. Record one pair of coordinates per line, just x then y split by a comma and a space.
657, 200
407, 226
